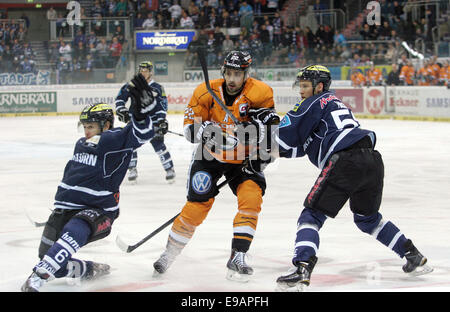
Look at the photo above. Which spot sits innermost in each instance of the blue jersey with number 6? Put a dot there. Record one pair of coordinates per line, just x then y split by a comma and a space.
318, 127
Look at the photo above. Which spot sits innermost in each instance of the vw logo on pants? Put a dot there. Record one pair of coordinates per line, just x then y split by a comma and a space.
201, 182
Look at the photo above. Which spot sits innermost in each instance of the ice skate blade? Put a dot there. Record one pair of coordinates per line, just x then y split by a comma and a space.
421, 270
237, 277
171, 181
300, 287
156, 274
132, 181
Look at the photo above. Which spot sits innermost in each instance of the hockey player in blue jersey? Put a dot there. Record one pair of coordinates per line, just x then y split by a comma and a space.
87, 199
159, 120
323, 128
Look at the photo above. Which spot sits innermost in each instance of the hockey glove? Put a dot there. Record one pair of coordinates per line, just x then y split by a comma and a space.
162, 127
214, 138
142, 98
252, 166
266, 115
123, 114
250, 133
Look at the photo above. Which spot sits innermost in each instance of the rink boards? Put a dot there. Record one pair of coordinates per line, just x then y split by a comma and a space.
406, 102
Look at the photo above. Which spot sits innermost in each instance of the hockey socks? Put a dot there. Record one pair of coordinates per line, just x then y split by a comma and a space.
75, 235
307, 239
384, 231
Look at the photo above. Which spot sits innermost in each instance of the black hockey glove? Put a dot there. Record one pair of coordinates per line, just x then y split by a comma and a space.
142, 98
252, 166
266, 115
162, 127
123, 114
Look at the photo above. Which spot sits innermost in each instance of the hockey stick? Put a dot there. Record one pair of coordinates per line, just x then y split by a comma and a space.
129, 248
204, 66
176, 133
36, 224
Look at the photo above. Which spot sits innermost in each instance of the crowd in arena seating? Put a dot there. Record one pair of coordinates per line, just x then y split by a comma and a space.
261, 31
429, 73
16, 53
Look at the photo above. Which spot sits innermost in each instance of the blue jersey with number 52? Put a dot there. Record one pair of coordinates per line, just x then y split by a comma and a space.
319, 126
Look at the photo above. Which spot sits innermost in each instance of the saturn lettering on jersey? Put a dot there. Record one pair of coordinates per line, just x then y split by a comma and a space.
201, 182
85, 158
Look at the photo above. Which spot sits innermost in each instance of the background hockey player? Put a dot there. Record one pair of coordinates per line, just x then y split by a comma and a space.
159, 121
206, 123
323, 128
87, 199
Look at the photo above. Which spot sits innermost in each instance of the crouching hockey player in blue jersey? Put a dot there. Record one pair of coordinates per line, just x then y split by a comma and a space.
87, 199
323, 128
158, 115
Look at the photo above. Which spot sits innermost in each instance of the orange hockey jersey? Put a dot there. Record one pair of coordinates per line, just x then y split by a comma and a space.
202, 107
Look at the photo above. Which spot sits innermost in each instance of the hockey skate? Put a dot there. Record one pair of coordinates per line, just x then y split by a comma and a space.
298, 278
95, 270
170, 176
132, 174
415, 261
238, 269
166, 259
35, 281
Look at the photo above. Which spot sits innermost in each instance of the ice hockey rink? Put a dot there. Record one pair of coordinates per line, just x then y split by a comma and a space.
34, 151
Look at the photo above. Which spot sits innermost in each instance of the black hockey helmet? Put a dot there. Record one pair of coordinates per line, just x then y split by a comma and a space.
100, 113
315, 74
240, 60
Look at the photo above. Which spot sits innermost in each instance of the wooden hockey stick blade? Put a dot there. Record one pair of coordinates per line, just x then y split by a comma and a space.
176, 133
36, 224
129, 248
204, 66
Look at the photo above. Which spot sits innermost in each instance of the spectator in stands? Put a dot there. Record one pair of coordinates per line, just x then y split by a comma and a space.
186, 21
444, 74
211, 50
246, 15
65, 50
393, 78
175, 10
97, 9
79, 51
224, 20
227, 45
119, 34
79, 37
28, 51
91, 38
374, 77
121, 8
339, 39
264, 35
150, 22
51, 14
27, 66
138, 21
407, 73
102, 49
191, 59
64, 70
116, 50
357, 78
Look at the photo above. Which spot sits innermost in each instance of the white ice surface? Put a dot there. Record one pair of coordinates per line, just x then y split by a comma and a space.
34, 151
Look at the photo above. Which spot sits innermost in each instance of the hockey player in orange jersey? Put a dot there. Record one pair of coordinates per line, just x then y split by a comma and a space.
207, 124
374, 76
407, 74
358, 79
444, 74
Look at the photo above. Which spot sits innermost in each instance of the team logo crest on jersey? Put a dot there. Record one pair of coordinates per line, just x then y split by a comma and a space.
201, 182
243, 109
286, 121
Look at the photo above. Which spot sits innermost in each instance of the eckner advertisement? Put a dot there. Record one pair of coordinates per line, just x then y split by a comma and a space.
173, 40
27, 102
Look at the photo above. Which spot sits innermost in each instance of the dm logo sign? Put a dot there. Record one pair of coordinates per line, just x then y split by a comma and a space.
201, 182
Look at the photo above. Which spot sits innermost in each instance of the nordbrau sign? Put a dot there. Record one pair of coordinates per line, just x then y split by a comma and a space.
27, 102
